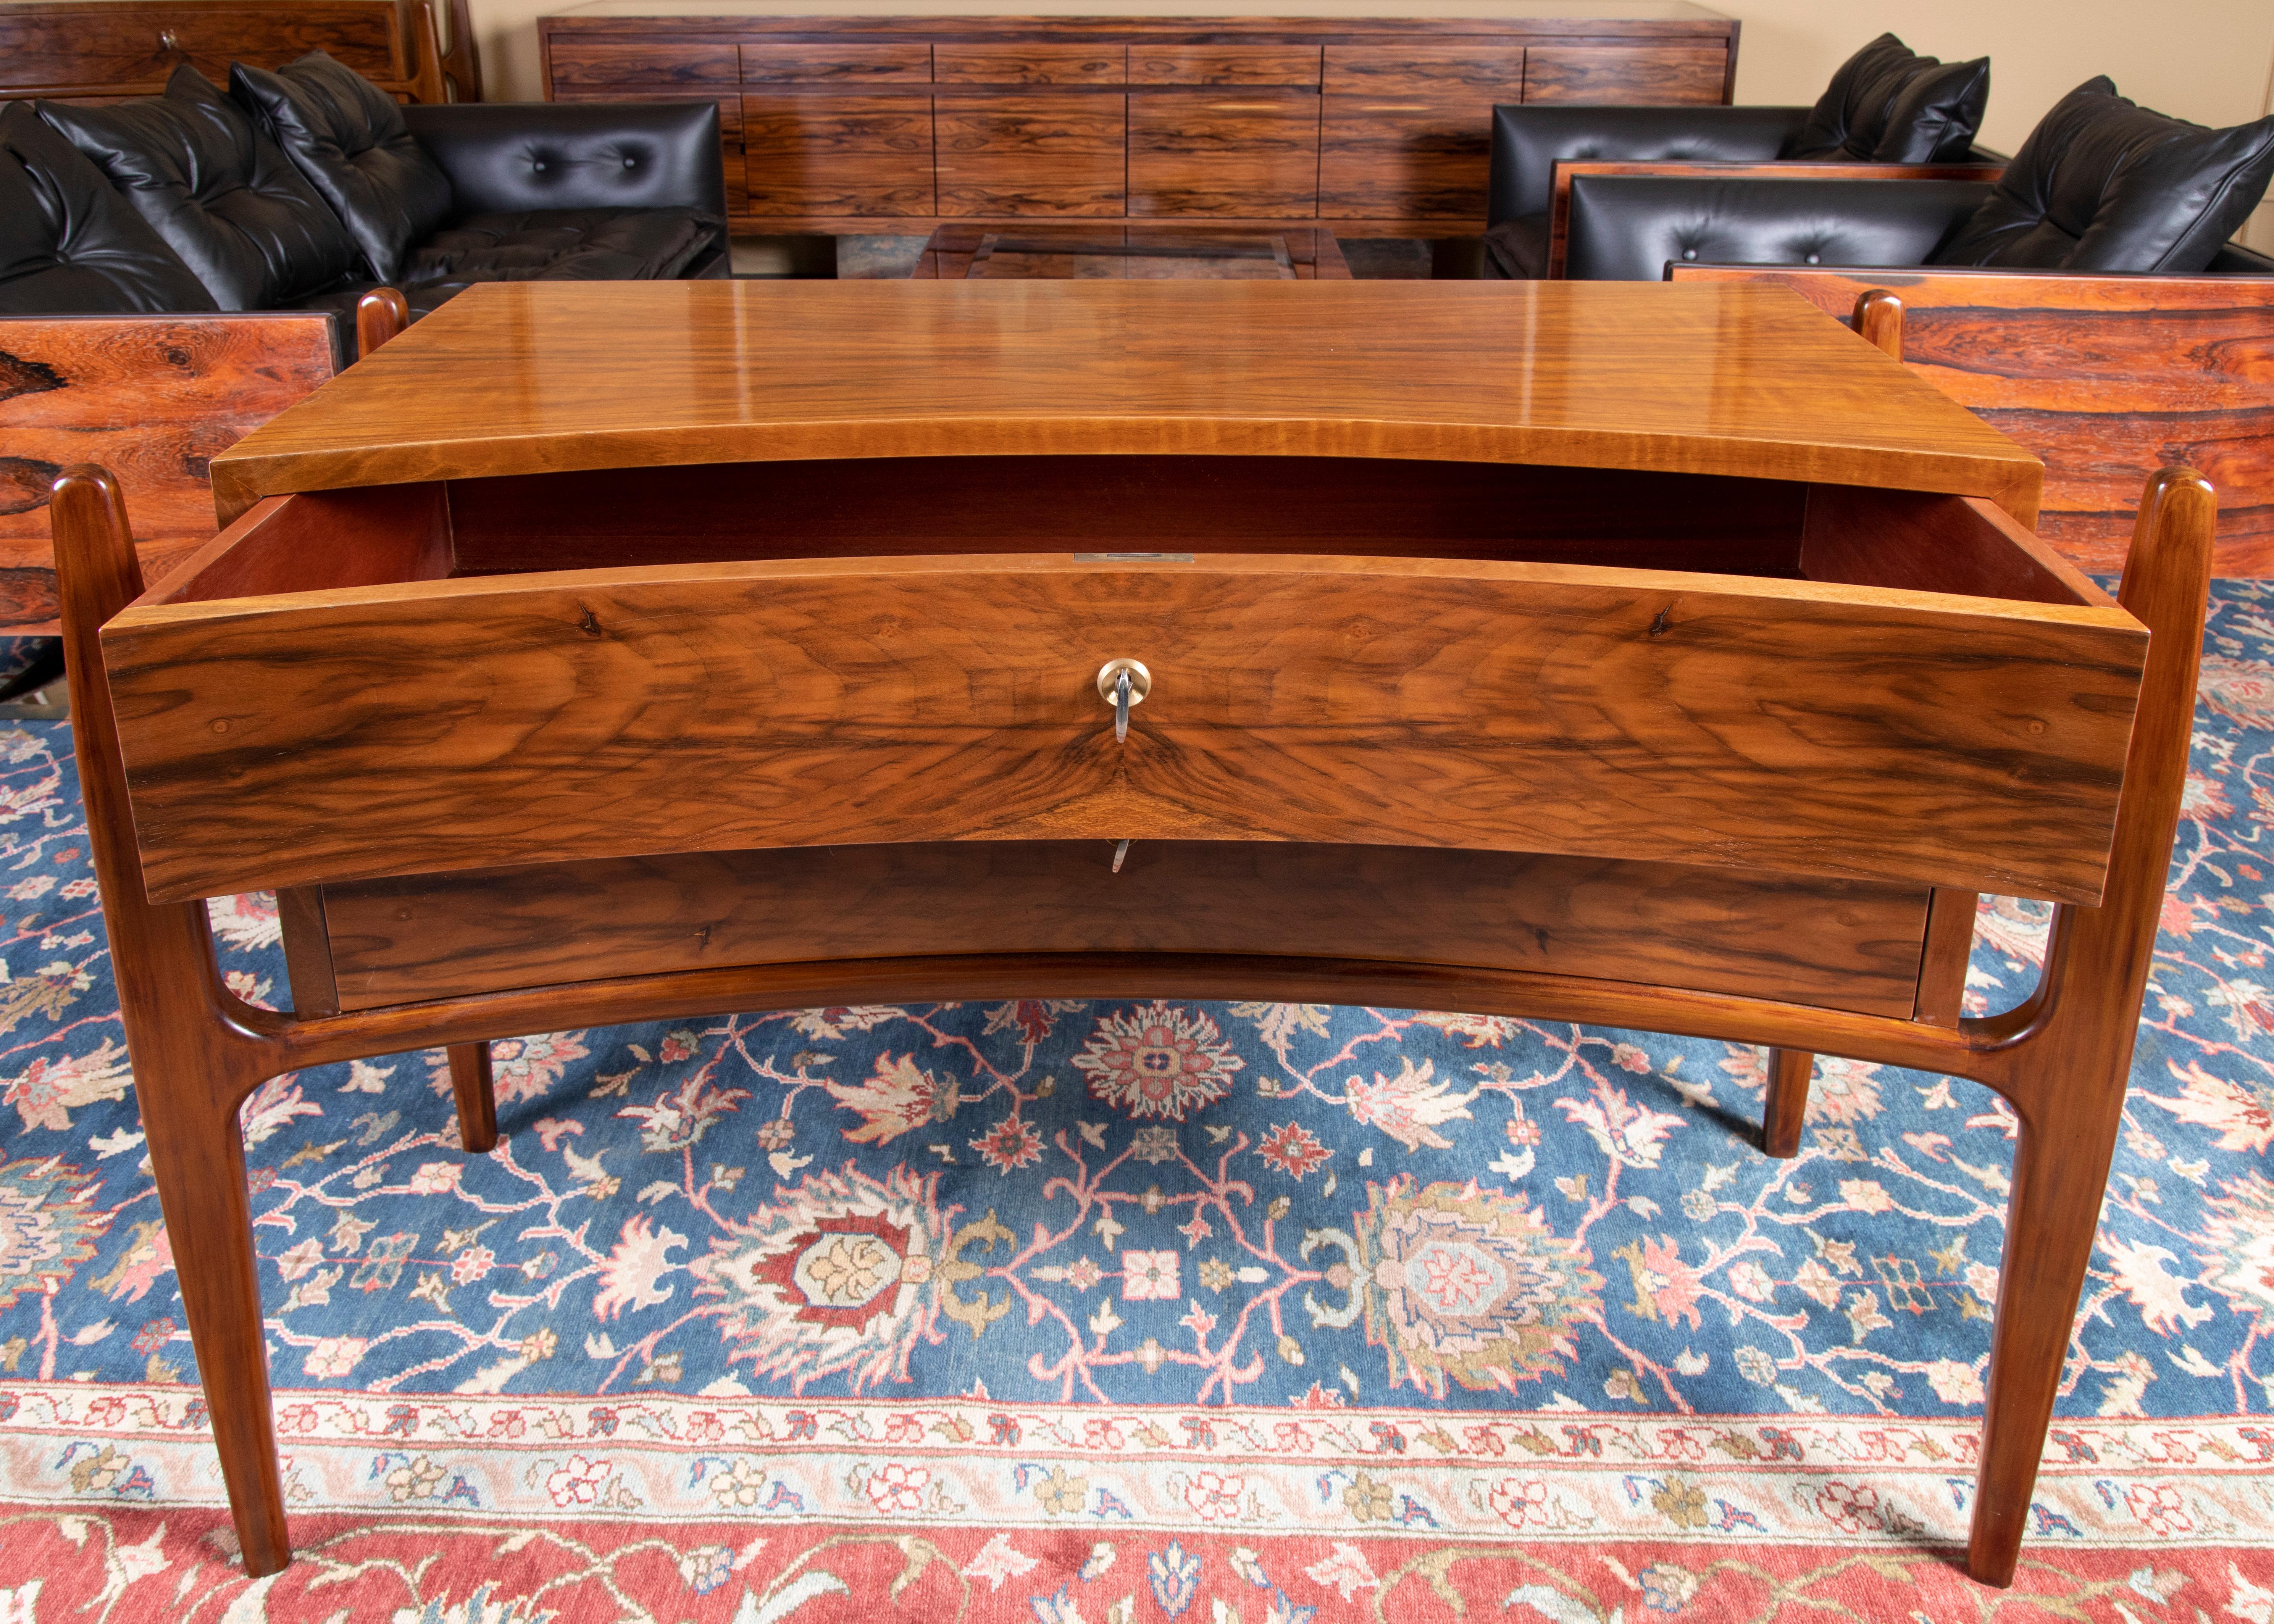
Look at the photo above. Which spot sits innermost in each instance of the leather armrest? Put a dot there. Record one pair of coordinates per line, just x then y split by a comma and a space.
2236, 260
1629, 228
1527, 141
503, 157
1791, 168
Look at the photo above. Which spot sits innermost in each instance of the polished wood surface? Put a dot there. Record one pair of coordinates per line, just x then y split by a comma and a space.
2106, 378
1384, 119
528, 377
1842, 945
155, 398
1292, 250
1509, 707
105, 49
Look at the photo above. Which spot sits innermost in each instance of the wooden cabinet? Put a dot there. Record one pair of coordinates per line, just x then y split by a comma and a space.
1379, 123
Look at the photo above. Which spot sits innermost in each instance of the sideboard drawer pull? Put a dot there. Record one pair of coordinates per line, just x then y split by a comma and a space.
1122, 683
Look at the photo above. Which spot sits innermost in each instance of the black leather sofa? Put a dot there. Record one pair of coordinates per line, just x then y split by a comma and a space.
199, 201
1885, 106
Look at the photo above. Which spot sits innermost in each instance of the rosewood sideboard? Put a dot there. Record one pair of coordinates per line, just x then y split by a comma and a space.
1655, 657
1373, 116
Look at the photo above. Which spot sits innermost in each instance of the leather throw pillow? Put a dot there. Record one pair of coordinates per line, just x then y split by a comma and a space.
1887, 104
347, 136
217, 190
2104, 184
69, 245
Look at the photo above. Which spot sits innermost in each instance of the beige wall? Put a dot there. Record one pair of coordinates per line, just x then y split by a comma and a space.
2208, 60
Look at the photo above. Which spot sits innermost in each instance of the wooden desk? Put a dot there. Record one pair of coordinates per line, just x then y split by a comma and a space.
1662, 658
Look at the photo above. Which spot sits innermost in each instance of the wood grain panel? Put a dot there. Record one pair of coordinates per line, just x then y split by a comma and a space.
1288, 251
730, 104
1099, 63
1627, 75
1838, 945
135, 47
813, 125
1245, 157
881, 185
2106, 378
1404, 158
602, 66
151, 398
835, 62
1223, 65
1063, 155
1470, 71
1826, 730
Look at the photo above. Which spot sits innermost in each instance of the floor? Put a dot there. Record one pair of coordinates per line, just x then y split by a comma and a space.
893, 256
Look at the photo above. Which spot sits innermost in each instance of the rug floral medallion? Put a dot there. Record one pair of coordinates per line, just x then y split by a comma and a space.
1145, 1310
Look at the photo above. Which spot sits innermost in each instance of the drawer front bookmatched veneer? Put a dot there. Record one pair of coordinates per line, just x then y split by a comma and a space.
1534, 650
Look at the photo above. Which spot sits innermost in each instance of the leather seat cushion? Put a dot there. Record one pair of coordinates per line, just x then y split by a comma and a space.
1516, 249
221, 193
1887, 104
574, 245
347, 138
71, 246
2104, 184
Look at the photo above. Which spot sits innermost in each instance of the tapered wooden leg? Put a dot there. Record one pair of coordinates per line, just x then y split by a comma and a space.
196, 1050
469, 1080
1787, 1101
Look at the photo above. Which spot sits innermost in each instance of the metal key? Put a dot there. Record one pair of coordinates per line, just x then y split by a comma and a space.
1122, 683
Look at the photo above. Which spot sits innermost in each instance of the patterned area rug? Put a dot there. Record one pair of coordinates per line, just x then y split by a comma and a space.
1142, 1311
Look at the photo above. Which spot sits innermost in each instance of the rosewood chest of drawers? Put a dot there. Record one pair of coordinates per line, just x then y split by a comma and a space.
838, 120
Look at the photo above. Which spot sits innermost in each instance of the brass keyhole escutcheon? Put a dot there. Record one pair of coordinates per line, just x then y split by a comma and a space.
1122, 683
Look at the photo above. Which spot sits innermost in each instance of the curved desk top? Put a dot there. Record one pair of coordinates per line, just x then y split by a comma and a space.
524, 377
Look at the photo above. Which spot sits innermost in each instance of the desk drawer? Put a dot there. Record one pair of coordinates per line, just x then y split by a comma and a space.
1852, 726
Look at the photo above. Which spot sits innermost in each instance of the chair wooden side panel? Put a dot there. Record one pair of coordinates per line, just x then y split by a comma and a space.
2106, 378
1788, 727
151, 398
1838, 945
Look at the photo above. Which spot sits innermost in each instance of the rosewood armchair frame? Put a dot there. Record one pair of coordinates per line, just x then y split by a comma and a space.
2061, 1058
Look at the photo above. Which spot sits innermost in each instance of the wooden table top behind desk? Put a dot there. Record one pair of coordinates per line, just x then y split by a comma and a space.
522, 378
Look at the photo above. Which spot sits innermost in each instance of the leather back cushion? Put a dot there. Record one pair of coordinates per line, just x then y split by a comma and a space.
2103, 184
348, 137
218, 190
69, 245
1628, 227
1887, 104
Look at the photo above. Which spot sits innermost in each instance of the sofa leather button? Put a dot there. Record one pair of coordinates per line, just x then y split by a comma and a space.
1690, 253
631, 163
538, 166
1815, 259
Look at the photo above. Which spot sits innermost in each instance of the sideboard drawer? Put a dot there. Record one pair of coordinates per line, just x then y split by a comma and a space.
598, 66
1419, 157
1063, 154
842, 155
1845, 727
131, 44
1029, 64
834, 63
1225, 64
1236, 156
1633, 75
1492, 71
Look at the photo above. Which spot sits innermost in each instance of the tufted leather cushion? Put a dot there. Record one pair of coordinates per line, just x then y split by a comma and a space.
348, 137
563, 245
1528, 142
218, 190
2103, 184
1887, 104
502, 158
1628, 227
69, 245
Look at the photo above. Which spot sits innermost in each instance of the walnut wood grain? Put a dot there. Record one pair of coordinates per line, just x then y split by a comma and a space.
1213, 155
1038, 63
1843, 945
837, 63
853, 154
1949, 949
543, 377
110, 49
319, 542
473, 1087
1225, 64
1922, 543
1627, 75
1469, 73
1063, 154
1295, 250
1418, 702
307, 951
1785, 1108
156, 397
597, 66
2106, 378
